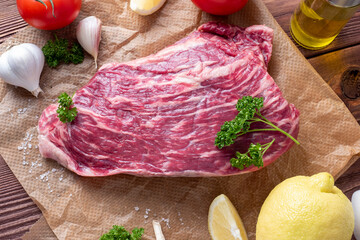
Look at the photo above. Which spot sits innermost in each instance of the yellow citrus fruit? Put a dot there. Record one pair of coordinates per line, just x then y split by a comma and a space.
224, 221
146, 7
306, 208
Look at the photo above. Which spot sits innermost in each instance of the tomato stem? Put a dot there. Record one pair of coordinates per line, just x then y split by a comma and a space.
52, 5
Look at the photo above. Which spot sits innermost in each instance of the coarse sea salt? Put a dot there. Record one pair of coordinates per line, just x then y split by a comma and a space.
166, 221
21, 110
44, 177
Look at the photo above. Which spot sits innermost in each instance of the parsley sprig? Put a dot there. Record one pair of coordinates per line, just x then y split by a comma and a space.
249, 112
59, 50
120, 233
66, 113
252, 157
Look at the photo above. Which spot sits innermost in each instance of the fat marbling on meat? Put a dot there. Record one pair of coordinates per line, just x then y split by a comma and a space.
159, 115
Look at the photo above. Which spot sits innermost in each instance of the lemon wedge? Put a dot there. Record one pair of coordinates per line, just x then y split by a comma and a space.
146, 7
224, 221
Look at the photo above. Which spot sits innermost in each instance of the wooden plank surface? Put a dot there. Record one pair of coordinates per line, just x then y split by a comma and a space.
18, 212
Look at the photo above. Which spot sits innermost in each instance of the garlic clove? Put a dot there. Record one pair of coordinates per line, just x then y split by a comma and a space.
22, 66
88, 33
355, 200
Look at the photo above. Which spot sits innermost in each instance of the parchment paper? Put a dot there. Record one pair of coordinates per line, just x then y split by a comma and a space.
83, 208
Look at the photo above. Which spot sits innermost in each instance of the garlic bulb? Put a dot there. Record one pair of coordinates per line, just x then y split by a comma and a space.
22, 65
88, 33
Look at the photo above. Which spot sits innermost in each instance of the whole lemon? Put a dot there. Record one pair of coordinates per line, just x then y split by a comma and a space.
308, 208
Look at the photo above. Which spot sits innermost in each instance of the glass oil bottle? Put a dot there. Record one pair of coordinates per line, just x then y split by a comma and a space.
316, 23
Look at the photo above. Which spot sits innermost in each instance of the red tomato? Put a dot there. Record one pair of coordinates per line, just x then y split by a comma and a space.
220, 7
35, 13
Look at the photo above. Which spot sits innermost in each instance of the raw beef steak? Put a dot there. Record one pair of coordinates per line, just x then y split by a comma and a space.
159, 115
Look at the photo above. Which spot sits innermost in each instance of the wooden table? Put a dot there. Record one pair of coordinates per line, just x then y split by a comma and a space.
18, 212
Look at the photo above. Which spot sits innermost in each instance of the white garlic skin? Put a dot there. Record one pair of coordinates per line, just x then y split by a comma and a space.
22, 65
355, 200
88, 33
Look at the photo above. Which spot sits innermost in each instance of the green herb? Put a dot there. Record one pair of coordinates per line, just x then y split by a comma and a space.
252, 157
120, 233
249, 112
59, 51
66, 113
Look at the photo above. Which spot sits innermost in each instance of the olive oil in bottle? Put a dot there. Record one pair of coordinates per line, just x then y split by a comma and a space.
316, 23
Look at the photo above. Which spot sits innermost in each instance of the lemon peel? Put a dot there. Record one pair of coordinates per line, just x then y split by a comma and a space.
306, 208
224, 221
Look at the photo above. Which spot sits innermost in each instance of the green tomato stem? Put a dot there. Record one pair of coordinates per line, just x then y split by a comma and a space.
52, 6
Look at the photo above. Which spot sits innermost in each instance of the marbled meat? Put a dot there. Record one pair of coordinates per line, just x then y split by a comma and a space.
159, 115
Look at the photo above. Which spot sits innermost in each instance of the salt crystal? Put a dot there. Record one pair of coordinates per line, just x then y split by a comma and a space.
44, 176
167, 221
30, 171
70, 195
146, 216
36, 146
20, 148
136, 208
21, 110
40, 164
53, 170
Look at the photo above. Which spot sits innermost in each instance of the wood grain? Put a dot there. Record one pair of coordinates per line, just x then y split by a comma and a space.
10, 19
331, 67
18, 212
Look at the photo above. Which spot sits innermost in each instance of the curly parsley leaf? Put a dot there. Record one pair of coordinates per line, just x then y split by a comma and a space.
58, 51
66, 113
249, 112
76, 53
254, 156
120, 233
247, 107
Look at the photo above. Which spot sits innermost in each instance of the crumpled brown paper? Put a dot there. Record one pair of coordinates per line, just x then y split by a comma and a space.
83, 208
